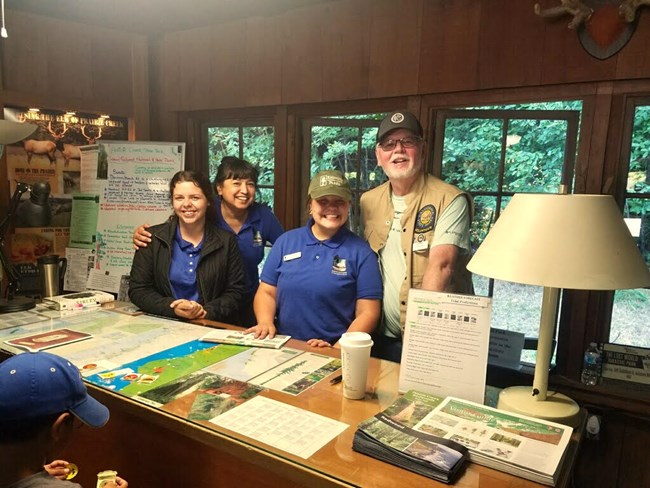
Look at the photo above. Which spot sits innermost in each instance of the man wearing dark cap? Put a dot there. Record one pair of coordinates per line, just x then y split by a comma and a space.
417, 224
42, 397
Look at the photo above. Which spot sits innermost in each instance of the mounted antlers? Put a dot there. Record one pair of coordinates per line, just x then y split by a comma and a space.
89, 138
628, 8
57, 135
580, 11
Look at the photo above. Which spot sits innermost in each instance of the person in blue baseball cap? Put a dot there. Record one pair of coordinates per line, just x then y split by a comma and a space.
42, 397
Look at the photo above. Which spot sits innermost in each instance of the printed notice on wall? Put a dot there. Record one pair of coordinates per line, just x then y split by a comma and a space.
446, 339
136, 191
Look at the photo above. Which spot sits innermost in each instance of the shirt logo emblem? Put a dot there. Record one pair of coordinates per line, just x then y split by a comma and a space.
339, 266
257, 238
425, 219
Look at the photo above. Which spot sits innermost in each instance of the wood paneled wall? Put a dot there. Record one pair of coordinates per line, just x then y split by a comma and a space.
363, 49
56, 64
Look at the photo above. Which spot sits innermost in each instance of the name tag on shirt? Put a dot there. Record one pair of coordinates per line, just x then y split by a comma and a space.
292, 256
421, 246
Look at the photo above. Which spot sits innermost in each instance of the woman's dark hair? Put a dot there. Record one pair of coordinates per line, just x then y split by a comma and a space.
235, 169
200, 180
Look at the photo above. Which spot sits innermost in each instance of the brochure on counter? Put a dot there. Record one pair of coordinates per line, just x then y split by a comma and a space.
390, 436
46, 340
523, 446
224, 336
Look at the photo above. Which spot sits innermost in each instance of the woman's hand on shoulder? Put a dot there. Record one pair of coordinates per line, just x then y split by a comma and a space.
141, 237
262, 331
318, 343
188, 309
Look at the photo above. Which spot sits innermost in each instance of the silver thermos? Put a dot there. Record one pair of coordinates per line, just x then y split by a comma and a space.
52, 270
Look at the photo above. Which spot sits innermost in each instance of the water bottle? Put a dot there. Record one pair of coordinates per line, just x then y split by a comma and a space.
591, 365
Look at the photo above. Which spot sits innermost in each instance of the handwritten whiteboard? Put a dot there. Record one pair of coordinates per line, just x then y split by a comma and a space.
132, 179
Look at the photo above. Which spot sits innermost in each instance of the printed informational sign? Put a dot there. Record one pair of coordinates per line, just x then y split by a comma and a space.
446, 340
505, 348
626, 363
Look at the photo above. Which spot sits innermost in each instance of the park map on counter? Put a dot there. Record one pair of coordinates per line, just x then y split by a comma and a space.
163, 363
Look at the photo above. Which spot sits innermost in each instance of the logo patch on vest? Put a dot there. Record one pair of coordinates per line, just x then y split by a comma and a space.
425, 219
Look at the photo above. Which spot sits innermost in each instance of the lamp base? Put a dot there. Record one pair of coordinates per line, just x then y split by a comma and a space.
556, 408
16, 304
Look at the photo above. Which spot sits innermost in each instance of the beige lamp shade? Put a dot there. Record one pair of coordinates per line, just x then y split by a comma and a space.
558, 241
11, 132
562, 241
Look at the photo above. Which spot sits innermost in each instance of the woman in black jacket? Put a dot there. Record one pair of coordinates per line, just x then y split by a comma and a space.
191, 269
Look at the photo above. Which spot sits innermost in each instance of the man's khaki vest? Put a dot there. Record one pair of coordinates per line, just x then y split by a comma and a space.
424, 204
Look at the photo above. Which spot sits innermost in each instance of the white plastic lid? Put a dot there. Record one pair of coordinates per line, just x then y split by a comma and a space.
356, 339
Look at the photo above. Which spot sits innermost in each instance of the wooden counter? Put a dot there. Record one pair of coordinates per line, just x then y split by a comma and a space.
153, 448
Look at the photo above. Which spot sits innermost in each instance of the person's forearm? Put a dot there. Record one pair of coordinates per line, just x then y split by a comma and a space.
264, 308
437, 278
363, 323
367, 315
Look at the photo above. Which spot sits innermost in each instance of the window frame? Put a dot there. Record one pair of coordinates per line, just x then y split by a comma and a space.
307, 123
622, 194
572, 117
240, 124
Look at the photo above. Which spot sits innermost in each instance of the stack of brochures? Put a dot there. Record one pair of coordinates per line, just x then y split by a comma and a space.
527, 447
390, 437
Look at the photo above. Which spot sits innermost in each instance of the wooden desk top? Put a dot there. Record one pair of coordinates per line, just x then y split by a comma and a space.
336, 464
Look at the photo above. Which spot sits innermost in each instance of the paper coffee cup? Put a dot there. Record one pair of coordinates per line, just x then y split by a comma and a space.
355, 355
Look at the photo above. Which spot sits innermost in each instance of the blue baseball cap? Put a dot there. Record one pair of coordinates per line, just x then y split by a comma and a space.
38, 384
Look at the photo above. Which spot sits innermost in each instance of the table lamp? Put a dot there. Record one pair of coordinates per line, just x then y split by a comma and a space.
558, 241
11, 132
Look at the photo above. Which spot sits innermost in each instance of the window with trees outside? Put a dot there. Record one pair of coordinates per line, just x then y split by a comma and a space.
630, 306
346, 144
254, 143
493, 153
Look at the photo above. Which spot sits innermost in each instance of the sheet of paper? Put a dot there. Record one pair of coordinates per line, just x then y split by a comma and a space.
104, 280
83, 223
298, 374
91, 180
285, 427
252, 362
505, 348
80, 262
446, 343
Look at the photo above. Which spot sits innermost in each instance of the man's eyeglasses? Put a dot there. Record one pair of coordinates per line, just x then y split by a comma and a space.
406, 142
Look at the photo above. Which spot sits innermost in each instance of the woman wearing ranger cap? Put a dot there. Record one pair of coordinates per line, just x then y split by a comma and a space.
320, 280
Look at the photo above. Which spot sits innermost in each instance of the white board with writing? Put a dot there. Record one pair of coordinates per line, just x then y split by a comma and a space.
136, 191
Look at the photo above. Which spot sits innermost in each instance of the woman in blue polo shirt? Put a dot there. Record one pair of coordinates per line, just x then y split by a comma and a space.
254, 224
320, 280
